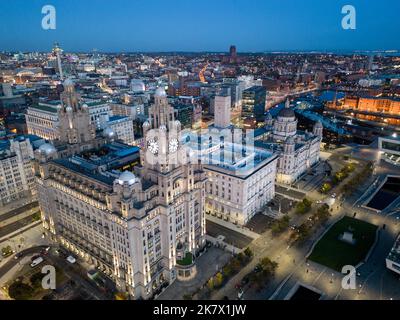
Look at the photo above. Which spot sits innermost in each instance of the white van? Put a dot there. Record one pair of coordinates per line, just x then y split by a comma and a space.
71, 259
36, 262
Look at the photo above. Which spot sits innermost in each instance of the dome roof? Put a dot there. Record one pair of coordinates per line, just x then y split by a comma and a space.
177, 123
160, 92
286, 113
108, 132
47, 148
163, 128
146, 124
85, 106
68, 109
127, 177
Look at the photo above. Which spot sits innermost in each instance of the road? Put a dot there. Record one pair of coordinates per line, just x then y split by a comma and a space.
33, 206
12, 262
373, 282
4, 231
290, 259
78, 274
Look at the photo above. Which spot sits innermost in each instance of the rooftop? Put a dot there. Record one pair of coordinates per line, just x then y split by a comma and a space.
102, 164
231, 158
44, 107
116, 118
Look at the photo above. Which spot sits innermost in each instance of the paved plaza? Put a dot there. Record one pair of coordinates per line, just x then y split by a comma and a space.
213, 257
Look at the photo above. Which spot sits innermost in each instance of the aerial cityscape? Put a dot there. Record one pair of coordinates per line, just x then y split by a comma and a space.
233, 168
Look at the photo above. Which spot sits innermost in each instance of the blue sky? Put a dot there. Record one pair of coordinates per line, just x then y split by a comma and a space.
199, 25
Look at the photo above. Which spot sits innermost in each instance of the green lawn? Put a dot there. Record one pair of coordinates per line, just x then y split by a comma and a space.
187, 260
334, 253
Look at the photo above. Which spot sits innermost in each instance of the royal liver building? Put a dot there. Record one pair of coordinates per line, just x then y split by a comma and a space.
138, 218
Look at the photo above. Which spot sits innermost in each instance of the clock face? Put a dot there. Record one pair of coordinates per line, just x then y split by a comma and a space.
173, 145
152, 145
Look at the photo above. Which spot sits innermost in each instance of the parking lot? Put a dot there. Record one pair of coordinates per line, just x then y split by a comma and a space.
259, 223
72, 283
313, 179
232, 237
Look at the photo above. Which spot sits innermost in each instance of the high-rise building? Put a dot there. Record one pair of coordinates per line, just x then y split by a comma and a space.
142, 226
16, 171
123, 129
222, 111
253, 102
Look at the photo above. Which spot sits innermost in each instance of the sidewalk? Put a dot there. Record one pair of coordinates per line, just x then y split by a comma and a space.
15, 205
20, 231
234, 227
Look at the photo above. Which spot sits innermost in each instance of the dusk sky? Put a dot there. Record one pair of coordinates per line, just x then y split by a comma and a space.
199, 25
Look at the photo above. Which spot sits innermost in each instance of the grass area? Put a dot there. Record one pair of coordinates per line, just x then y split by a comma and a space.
187, 260
334, 253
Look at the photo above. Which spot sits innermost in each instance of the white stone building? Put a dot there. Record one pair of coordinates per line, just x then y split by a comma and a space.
241, 178
123, 128
42, 120
222, 111
16, 171
298, 151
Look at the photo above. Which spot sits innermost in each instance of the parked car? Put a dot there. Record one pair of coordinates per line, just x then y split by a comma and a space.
18, 255
36, 262
71, 259
240, 294
257, 268
45, 250
35, 257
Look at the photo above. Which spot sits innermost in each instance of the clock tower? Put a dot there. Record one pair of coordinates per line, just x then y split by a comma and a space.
162, 150
180, 184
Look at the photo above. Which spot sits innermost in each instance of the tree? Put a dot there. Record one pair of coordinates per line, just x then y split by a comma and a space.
6, 251
280, 225
210, 284
36, 279
248, 253
323, 212
326, 187
20, 291
219, 278
268, 265
227, 270
304, 206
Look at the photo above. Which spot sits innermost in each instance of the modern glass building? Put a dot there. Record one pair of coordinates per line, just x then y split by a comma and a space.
253, 102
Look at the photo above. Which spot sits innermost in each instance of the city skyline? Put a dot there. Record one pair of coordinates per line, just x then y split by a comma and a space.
200, 150
178, 26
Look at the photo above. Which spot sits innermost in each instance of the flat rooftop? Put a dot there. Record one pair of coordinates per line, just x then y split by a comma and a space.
101, 164
231, 158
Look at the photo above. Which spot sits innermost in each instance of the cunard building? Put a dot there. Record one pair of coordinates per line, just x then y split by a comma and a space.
141, 223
